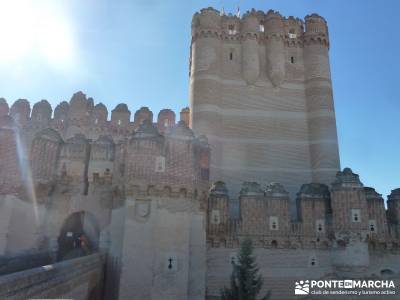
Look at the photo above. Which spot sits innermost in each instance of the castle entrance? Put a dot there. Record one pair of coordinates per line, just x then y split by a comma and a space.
79, 236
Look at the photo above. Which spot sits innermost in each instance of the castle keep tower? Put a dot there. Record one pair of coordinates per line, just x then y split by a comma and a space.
260, 90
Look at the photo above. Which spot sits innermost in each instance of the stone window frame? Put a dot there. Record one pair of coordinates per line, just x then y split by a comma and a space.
372, 225
320, 223
273, 220
356, 215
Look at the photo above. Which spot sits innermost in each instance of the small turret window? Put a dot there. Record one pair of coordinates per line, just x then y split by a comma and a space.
119, 122
261, 28
166, 123
356, 215
96, 121
292, 59
231, 55
372, 225
273, 223
231, 29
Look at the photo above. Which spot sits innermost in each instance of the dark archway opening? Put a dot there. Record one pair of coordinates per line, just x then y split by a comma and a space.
79, 236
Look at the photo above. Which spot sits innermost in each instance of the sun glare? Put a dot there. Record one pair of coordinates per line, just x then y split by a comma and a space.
35, 29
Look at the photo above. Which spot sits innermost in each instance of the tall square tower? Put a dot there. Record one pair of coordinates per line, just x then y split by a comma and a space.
261, 91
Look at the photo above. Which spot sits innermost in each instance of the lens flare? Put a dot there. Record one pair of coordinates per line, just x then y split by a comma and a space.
25, 171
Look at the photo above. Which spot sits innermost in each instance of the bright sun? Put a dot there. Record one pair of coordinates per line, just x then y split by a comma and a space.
31, 28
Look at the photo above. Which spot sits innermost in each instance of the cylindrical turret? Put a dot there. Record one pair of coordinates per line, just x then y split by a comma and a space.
185, 115
20, 111
100, 114
60, 120
41, 113
275, 48
61, 111
120, 116
205, 74
313, 204
250, 56
78, 111
377, 220
141, 115
165, 120
205, 55
217, 210
4, 109
322, 124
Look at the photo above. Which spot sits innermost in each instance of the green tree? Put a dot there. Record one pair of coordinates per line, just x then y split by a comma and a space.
246, 282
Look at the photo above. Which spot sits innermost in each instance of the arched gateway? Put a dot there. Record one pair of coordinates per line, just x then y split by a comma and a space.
79, 236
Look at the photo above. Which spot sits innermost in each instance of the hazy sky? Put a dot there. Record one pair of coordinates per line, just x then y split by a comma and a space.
138, 51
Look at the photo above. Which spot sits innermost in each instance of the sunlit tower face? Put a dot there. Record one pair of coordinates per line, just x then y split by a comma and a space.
35, 30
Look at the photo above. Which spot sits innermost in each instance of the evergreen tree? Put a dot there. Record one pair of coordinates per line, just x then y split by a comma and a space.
245, 282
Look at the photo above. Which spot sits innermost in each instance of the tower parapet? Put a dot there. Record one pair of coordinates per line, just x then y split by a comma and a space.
316, 30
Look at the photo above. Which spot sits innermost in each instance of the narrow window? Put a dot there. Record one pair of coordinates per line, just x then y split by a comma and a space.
356, 215
313, 261
292, 60
119, 122
372, 225
273, 223
231, 55
231, 29
261, 28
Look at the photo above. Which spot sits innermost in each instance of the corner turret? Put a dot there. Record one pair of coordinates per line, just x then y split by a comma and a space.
317, 29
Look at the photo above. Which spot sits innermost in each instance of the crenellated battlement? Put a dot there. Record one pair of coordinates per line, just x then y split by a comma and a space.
81, 115
210, 22
325, 216
80, 146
